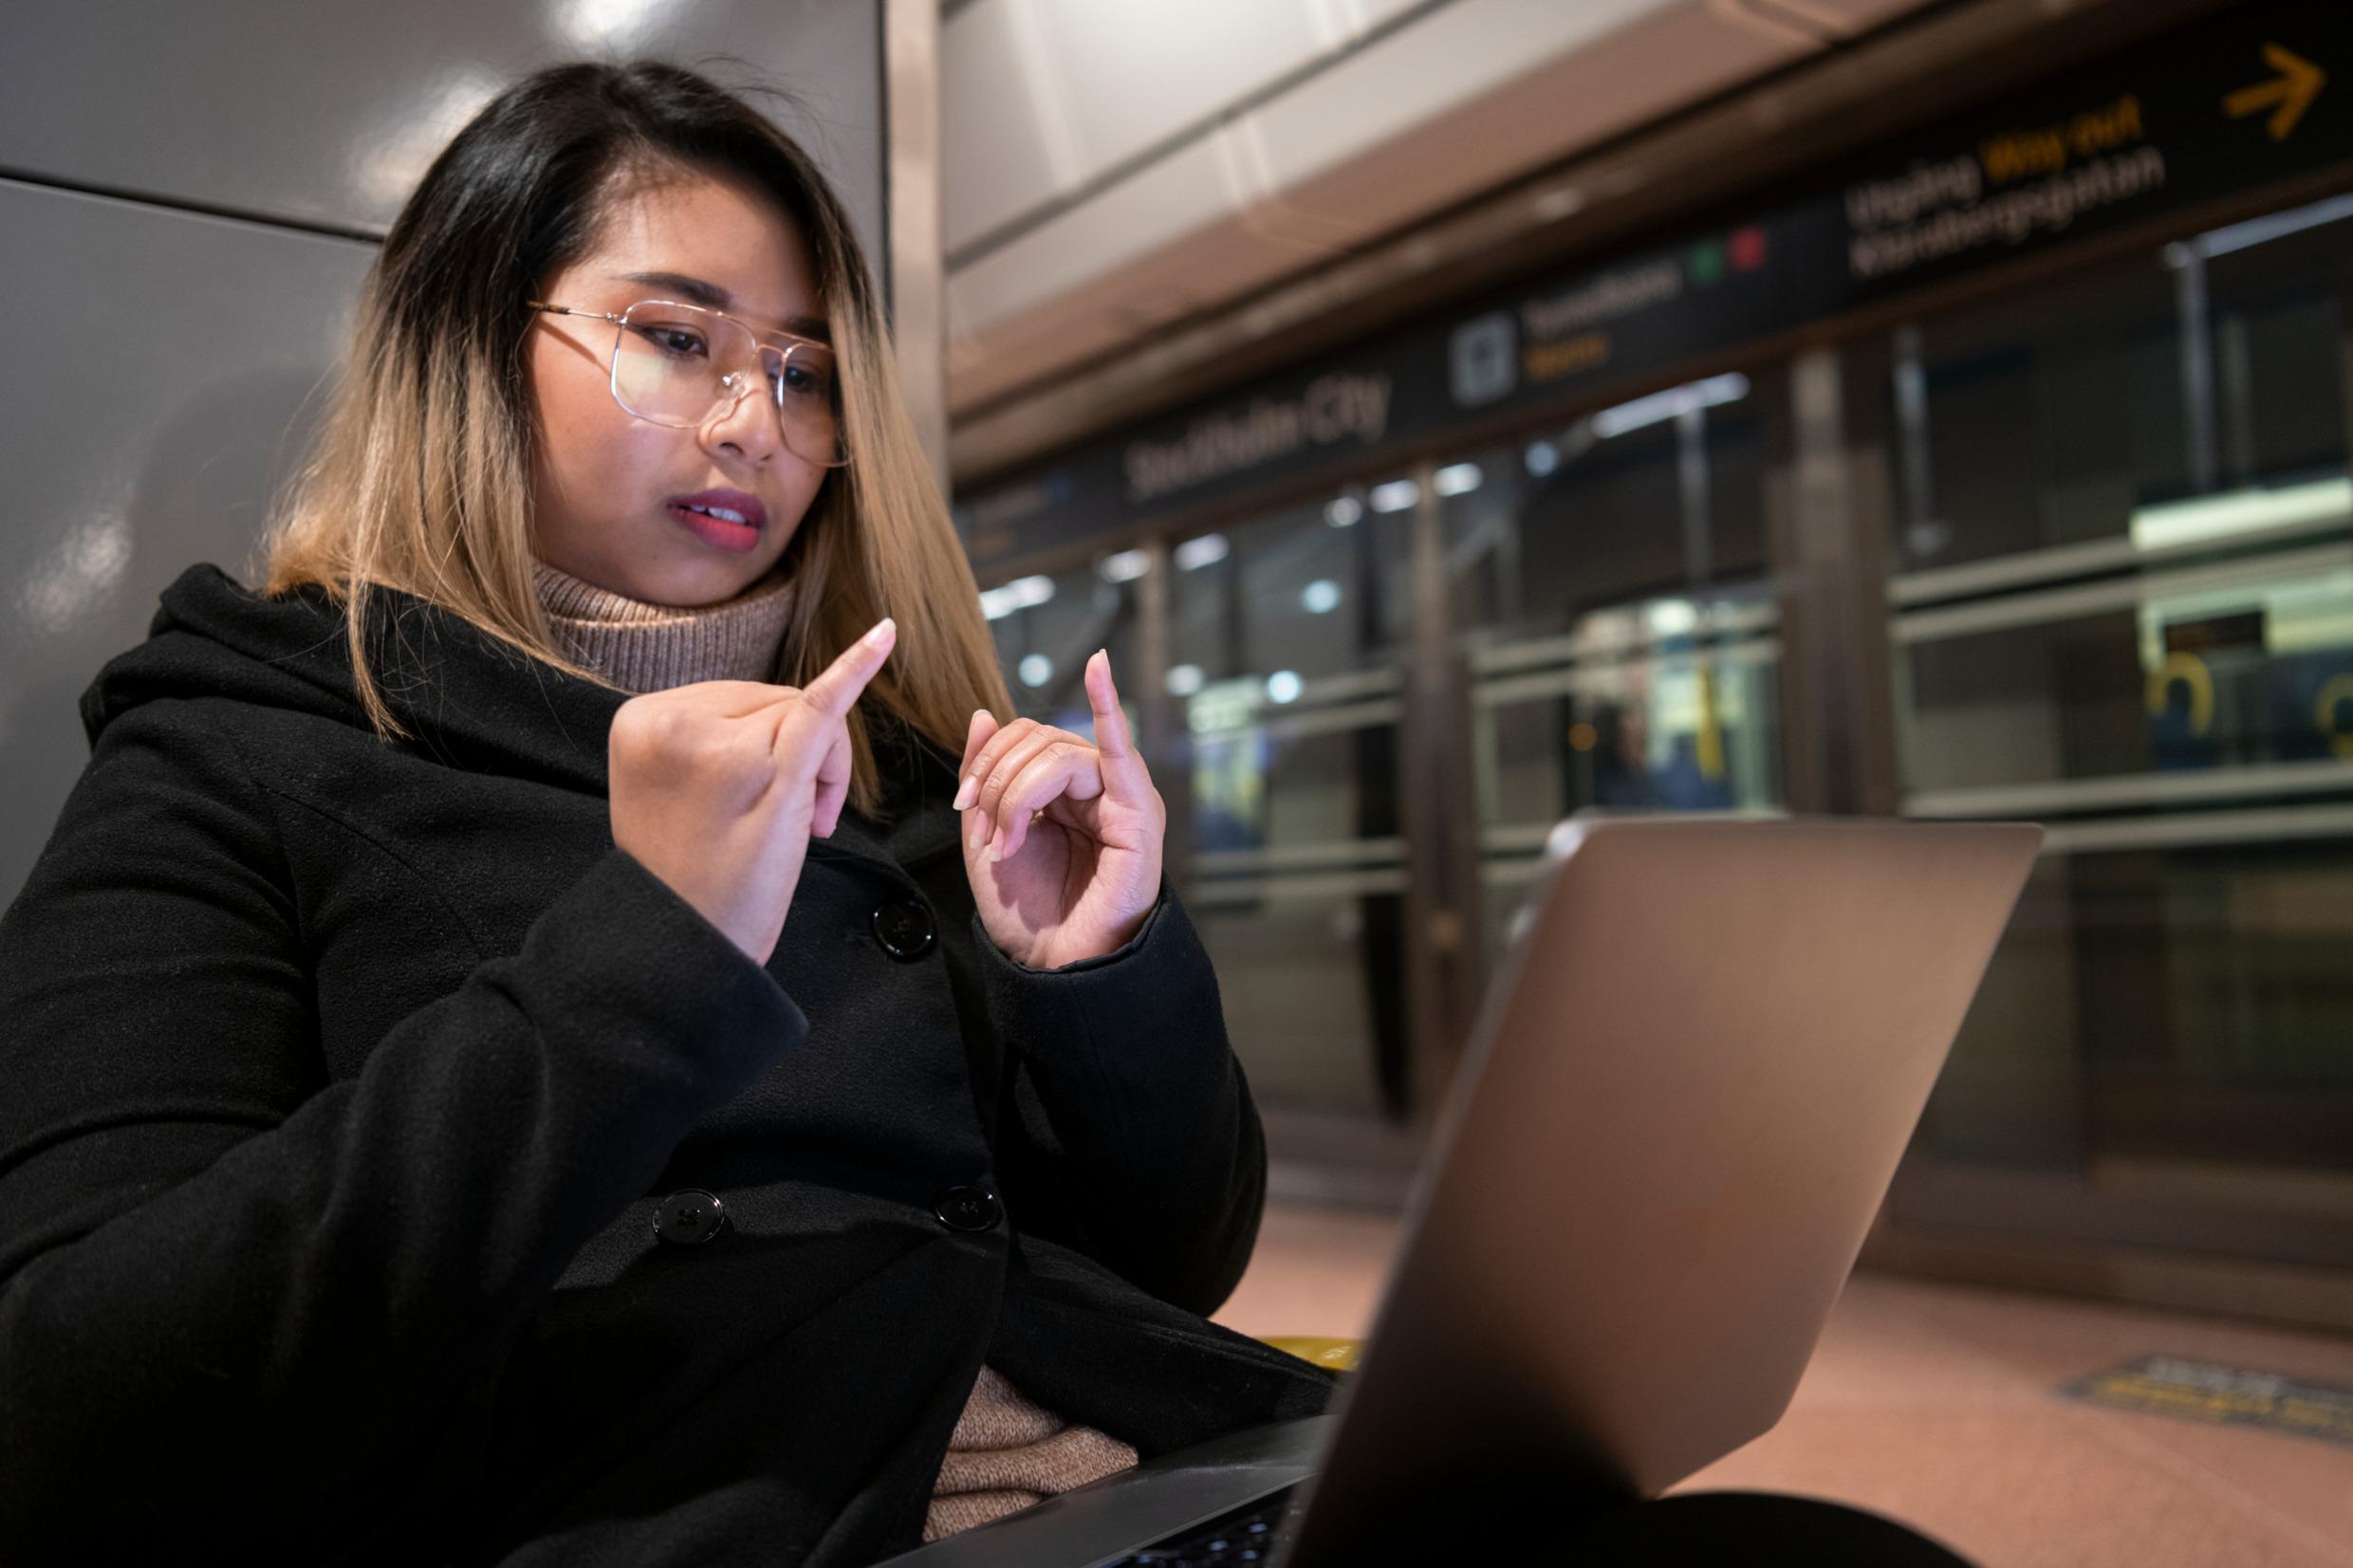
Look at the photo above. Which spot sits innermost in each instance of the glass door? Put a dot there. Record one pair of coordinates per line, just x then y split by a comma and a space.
1284, 670
1609, 585
1048, 627
2123, 607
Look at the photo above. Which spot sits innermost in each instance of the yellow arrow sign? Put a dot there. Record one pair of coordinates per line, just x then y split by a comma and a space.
2299, 82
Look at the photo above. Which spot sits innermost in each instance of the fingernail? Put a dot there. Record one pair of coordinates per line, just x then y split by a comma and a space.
979, 835
965, 791
997, 846
882, 629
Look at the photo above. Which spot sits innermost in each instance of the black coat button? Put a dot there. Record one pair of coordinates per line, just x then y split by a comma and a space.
689, 1217
967, 1208
904, 927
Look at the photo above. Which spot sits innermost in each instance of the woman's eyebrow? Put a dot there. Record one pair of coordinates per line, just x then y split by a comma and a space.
701, 291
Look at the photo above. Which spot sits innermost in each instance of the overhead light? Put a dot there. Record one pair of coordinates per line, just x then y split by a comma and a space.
1126, 566
996, 603
1320, 597
1343, 511
1283, 686
1395, 495
2211, 517
1193, 554
1184, 680
1541, 457
1036, 670
1661, 406
617, 25
1457, 478
1673, 617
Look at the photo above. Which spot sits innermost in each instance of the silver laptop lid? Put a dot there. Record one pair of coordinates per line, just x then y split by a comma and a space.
1693, 1078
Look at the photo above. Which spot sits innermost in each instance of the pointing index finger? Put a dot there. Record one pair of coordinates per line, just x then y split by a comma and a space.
1125, 777
837, 685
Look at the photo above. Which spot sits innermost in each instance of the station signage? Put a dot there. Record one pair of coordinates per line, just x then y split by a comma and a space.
2256, 94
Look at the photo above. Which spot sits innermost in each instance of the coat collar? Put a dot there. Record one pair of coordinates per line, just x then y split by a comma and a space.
473, 702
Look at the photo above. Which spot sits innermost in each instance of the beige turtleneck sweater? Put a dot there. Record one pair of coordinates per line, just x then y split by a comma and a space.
647, 647
1007, 1453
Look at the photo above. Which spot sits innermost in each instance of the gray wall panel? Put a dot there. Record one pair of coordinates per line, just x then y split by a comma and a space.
160, 374
326, 112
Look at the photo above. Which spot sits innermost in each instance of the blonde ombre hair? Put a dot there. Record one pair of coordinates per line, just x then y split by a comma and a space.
419, 480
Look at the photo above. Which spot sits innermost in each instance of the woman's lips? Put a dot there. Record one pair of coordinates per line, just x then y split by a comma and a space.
715, 530
728, 519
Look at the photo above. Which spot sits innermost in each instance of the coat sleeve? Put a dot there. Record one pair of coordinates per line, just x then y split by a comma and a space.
1131, 1126
232, 1292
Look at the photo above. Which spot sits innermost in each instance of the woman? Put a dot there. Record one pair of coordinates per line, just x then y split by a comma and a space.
560, 1029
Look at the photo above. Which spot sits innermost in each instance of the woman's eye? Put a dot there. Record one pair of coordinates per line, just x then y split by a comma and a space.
803, 382
675, 339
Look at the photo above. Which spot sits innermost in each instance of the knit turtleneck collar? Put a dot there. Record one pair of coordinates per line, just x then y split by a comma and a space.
645, 647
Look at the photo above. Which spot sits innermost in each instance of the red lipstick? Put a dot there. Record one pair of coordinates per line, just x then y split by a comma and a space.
727, 519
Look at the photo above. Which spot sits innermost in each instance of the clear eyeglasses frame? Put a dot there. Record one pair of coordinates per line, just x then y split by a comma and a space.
679, 366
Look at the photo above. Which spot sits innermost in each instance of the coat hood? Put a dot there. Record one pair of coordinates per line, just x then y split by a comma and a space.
471, 702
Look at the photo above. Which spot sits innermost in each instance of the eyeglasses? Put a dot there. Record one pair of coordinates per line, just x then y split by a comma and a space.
680, 364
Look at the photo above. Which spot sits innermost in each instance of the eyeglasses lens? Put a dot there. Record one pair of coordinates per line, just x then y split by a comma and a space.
677, 364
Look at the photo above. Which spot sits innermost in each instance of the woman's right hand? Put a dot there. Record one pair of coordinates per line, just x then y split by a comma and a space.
716, 787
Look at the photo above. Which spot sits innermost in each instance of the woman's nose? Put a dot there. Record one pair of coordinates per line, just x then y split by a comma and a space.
744, 422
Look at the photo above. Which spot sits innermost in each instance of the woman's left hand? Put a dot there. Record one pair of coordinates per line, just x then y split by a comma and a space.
1062, 838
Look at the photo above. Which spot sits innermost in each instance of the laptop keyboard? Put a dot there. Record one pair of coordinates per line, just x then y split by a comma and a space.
1247, 1534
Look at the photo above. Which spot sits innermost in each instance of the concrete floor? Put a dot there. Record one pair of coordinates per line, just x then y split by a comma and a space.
1938, 1404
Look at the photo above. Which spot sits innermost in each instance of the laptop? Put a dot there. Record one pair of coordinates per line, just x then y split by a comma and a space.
1682, 1103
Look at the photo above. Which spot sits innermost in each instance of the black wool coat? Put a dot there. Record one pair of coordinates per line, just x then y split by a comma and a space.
342, 1085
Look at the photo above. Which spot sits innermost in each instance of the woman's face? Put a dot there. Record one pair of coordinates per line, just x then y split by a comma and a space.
606, 487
